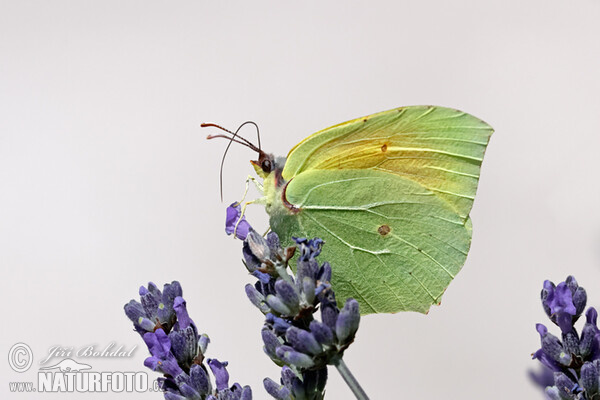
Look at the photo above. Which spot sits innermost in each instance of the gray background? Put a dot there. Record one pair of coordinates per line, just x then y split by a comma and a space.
107, 180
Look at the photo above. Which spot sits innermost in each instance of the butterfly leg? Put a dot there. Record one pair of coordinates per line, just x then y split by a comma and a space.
258, 185
256, 201
244, 204
241, 214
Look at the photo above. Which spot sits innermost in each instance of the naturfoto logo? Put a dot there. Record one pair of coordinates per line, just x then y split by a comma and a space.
61, 373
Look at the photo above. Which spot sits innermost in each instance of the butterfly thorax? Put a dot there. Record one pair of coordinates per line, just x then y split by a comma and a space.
274, 188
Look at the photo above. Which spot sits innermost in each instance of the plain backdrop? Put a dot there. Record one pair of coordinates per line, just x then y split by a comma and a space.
107, 181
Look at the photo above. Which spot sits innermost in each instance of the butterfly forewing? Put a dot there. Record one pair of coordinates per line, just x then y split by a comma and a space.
439, 148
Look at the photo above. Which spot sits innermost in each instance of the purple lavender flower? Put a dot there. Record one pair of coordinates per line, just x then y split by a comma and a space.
155, 309
570, 364
161, 359
176, 349
563, 303
235, 222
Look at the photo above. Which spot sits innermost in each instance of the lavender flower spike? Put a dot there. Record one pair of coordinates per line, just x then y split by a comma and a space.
292, 336
176, 348
570, 364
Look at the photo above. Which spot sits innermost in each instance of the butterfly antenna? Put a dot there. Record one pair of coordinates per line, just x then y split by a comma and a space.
232, 139
257, 132
246, 143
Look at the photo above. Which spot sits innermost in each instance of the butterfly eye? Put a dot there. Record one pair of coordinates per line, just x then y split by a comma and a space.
266, 166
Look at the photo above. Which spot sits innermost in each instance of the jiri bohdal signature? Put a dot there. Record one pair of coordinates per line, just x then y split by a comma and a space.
91, 351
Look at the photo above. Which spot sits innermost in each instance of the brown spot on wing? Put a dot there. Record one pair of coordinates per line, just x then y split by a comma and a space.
384, 230
384, 148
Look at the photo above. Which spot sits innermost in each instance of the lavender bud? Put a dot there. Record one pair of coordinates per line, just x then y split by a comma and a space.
589, 379
246, 393
329, 312
277, 304
579, 300
146, 324
203, 342
547, 288
184, 345
324, 274
150, 299
566, 387
306, 268
552, 347
293, 357
165, 309
258, 246
303, 341
287, 376
134, 310
276, 390
188, 391
257, 299
548, 362
308, 289
271, 343
322, 333
279, 325
273, 242
200, 380
288, 295
250, 260
347, 321
588, 343
570, 342
171, 291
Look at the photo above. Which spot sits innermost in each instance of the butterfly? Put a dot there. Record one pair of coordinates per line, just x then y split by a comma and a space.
390, 194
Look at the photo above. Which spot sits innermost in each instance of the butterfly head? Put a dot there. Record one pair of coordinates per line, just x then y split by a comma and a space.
267, 164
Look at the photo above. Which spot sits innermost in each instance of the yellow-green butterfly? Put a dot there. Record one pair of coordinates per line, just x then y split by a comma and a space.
390, 193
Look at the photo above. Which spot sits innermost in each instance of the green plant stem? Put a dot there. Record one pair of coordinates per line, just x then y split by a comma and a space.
350, 380
282, 269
